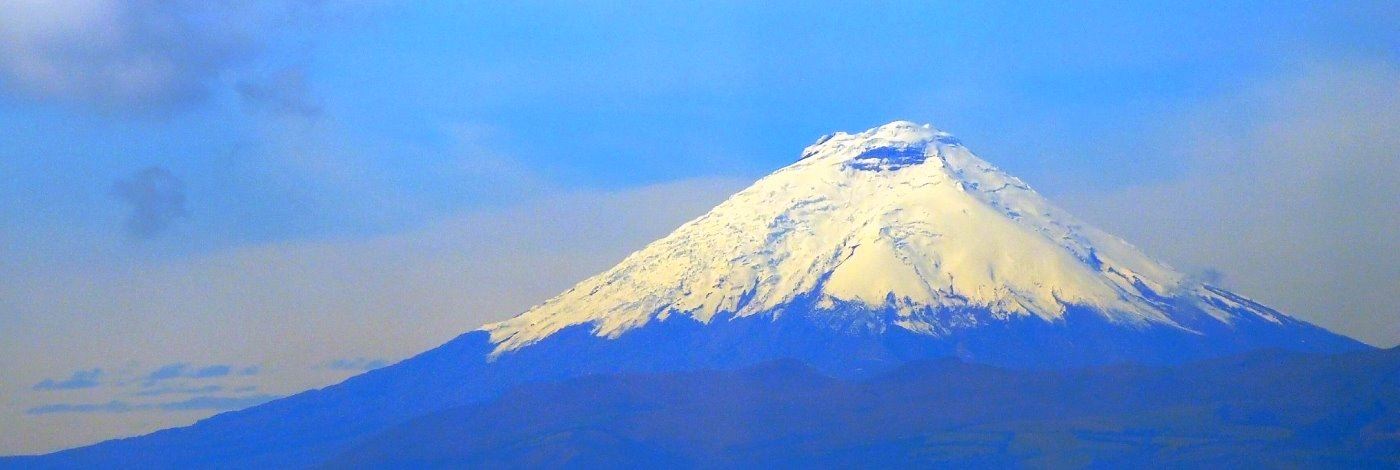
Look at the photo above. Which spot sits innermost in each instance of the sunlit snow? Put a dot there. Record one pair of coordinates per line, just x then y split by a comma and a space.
898, 217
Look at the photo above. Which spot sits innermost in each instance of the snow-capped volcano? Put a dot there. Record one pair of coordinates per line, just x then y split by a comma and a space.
872, 251
902, 225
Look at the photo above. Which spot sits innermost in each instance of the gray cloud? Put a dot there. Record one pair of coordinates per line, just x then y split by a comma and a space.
155, 197
114, 406
138, 56
218, 403
79, 379
182, 370
116, 54
355, 364
169, 371
211, 371
202, 402
1291, 189
179, 390
285, 93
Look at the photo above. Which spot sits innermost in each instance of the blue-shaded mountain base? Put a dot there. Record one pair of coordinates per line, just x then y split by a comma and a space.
309, 428
1269, 409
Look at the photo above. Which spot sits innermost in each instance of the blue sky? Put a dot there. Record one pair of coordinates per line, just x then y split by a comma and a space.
353, 182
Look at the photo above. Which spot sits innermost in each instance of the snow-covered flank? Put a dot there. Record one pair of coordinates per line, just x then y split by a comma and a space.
898, 218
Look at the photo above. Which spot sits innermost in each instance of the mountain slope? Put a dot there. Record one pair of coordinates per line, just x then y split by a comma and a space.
873, 250
1270, 408
899, 217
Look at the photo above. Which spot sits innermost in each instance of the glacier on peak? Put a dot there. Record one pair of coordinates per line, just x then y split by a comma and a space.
899, 218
